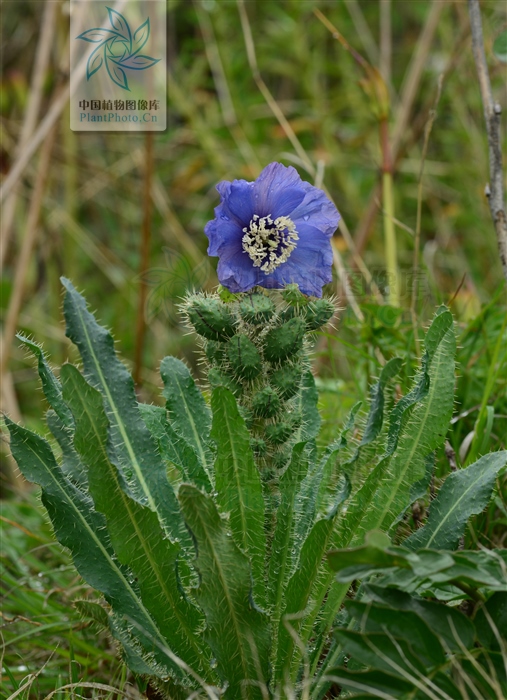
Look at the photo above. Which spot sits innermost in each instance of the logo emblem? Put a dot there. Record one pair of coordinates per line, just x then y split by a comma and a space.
118, 49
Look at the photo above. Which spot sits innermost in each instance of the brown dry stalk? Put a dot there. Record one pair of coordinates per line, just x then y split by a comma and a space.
25, 255
40, 65
492, 114
144, 257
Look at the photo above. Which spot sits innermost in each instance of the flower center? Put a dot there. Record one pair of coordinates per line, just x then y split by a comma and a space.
269, 243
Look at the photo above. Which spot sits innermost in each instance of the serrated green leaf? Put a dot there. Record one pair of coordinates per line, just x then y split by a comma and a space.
298, 592
173, 447
136, 452
72, 465
306, 403
92, 611
190, 416
238, 484
418, 425
82, 530
464, 493
237, 631
282, 548
135, 532
375, 418
50, 385
320, 486
387, 491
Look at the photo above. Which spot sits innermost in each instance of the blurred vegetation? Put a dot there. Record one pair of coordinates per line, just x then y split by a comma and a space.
223, 123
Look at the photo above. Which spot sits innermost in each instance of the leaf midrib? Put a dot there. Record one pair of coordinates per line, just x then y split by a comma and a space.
141, 539
99, 544
118, 419
244, 661
195, 432
416, 442
453, 508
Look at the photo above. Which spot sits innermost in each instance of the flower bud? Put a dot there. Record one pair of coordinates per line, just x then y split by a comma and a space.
278, 433
218, 378
265, 403
211, 318
244, 357
280, 459
287, 380
292, 295
285, 340
256, 309
258, 446
214, 351
318, 313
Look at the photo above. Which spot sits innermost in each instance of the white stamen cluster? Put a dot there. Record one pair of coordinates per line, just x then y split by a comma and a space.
269, 243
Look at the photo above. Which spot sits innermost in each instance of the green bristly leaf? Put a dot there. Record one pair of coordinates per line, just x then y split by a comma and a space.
72, 466
50, 385
376, 415
135, 532
417, 427
189, 415
299, 590
136, 453
237, 631
173, 448
281, 561
465, 493
82, 530
306, 403
238, 484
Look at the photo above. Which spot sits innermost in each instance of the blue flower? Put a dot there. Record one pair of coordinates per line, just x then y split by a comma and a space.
273, 232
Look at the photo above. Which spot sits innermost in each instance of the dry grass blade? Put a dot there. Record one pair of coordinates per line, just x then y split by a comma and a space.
40, 67
144, 256
252, 60
8, 400
44, 128
492, 115
417, 241
363, 30
385, 40
414, 73
81, 684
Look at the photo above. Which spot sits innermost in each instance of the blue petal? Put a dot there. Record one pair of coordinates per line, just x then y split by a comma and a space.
237, 197
237, 273
309, 265
318, 210
312, 239
278, 190
307, 268
222, 233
